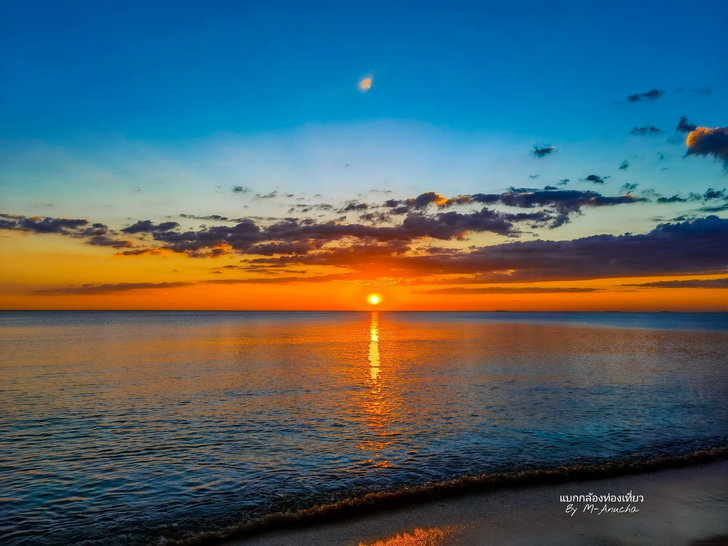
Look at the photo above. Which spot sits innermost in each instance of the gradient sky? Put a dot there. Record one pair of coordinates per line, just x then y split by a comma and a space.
222, 155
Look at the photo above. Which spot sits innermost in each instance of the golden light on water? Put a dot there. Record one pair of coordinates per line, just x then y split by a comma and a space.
374, 347
374, 299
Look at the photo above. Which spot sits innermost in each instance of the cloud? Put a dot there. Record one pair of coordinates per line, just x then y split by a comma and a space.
96, 234
142, 252
115, 288
564, 202
673, 199
424, 217
652, 94
304, 208
420, 202
354, 206
37, 224
543, 151
705, 141
690, 247
105, 240
147, 226
375, 217
217, 240
688, 283
709, 195
628, 188
240, 189
91, 289
685, 248
273, 195
296, 247
449, 225
356, 256
213, 217
717, 208
695, 246
695, 91
684, 126
624, 165
505, 290
680, 248
646, 130
595, 179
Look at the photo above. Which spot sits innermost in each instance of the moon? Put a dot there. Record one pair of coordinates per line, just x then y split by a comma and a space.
365, 84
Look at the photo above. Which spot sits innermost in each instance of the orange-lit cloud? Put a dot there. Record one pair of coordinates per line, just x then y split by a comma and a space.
706, 141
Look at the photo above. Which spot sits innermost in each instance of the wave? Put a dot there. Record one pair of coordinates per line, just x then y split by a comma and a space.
383, 500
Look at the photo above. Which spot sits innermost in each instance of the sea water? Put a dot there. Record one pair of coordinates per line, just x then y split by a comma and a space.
142, 427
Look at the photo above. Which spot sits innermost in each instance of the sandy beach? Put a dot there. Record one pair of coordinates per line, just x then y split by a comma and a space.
683, 506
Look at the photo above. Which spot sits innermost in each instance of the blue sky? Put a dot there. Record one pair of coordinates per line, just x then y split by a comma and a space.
168, 71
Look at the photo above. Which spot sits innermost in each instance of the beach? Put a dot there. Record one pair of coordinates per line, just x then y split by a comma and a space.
682, 506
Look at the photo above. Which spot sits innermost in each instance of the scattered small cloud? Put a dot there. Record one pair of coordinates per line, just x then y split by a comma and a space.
652, 94
213, 217
684, 126
595, 179
273, 195
624, 165
646, 130
147, 226
543, 151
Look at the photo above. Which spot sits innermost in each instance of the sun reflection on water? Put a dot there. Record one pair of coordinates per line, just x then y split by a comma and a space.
374, 362
376, 404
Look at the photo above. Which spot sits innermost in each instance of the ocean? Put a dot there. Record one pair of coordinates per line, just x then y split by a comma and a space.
160, 427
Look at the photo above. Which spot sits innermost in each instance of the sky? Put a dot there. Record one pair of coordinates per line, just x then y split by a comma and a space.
304, 155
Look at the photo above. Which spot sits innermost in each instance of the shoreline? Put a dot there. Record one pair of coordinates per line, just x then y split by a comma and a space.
375, 505
682, 506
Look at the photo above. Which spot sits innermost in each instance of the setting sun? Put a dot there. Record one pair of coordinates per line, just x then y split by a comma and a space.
374, 299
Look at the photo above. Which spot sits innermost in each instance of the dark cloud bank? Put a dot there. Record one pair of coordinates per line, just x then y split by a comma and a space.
390, 249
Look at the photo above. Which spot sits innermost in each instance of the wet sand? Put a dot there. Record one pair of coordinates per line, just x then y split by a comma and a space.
681, 506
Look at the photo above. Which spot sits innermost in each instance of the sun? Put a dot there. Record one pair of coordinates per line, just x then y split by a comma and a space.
374, 299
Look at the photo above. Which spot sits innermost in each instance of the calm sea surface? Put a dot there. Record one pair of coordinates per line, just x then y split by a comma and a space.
131, 427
